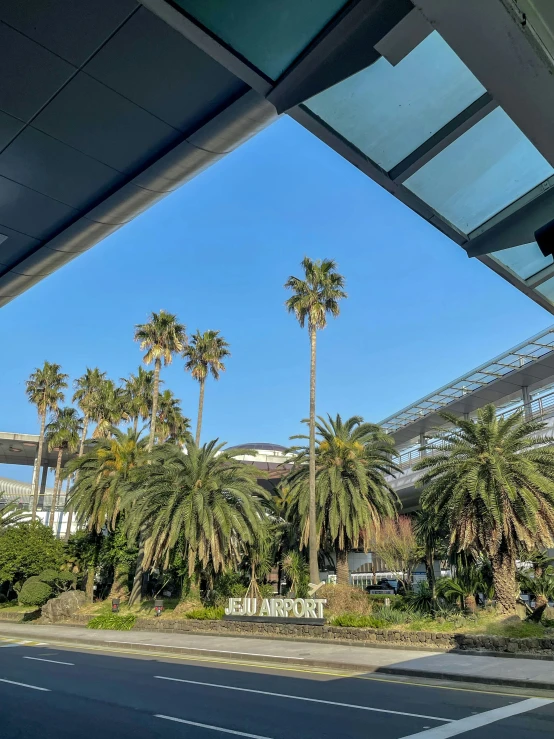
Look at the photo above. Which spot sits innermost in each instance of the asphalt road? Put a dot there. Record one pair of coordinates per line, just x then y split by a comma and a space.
52, 692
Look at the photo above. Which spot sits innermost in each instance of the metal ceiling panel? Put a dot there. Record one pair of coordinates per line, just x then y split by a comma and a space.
72, 29
54, 169
15, 246
152, 65
30, 212
9, 127
35, 74
96, 120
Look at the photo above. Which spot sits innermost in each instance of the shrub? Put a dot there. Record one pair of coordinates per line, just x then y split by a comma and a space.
3, 598
345, 599
34, 592
392, 616
113, 621
206, 614
60, 581
266, 590
357, 621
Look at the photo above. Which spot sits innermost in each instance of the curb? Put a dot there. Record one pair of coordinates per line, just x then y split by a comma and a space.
323, 664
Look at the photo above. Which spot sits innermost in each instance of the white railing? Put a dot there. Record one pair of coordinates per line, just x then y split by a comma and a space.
540, 408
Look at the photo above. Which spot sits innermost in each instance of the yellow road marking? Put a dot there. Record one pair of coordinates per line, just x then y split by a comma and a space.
280, 668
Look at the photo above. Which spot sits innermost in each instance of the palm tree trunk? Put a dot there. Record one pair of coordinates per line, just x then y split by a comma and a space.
343, 571
86, 421
155, 392
135, 424
136, 590
470, 603
313, 545
504, 579
431, 579
200, 411
69, 512
39, 461
57, 483
119, 587
89, 589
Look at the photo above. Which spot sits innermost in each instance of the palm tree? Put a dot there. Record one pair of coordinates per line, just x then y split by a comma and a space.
87, 388
101, 475
314, 297
171, 425
44, 389
492, 484
431, 537
10, 515
204, 355
108, 409
162, 337
138, 395
62, 434
206, 499
352, 459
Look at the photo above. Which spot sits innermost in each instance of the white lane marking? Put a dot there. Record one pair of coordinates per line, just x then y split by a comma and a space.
303, 698
24, 685
209, 726
481, 719
53, 661
198, 649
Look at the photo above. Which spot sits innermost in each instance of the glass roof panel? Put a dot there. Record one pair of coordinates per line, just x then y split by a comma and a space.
524, 261
387, 111
481, 173
269, 33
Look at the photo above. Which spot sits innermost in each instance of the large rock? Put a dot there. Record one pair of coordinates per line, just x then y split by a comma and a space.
64, 606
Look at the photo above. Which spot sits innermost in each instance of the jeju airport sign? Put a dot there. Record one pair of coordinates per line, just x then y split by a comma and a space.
276, 609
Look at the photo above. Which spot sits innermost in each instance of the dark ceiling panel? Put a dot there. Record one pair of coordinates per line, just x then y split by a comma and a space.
102, 124
35, 74
153, 65
54, 169
73, 29
14, 247
30, 212
9, 127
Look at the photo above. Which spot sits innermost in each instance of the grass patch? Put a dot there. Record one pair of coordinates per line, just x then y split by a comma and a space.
206, 614
14, 607
113, 621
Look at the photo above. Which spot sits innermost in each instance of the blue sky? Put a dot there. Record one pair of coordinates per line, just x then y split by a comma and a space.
217, 253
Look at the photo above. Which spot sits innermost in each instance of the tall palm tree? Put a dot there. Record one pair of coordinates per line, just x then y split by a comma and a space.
206, 498
171, 424
11, 514
205, 354
493, 486
162, 337
314, 297
138, 395
63, 435
108, 409
44, 389
87, 388
352, 459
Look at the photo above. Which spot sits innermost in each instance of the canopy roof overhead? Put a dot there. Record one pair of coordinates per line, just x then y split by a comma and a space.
500, 381
448, 105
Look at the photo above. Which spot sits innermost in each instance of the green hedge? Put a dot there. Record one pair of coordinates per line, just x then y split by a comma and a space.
113, 621
357, 621
34, 593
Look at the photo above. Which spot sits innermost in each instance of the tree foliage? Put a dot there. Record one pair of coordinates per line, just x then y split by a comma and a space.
28, 549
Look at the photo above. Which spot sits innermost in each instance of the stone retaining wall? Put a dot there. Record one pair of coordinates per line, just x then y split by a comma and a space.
18, 616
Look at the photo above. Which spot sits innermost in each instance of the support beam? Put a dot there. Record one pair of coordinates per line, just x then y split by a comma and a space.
443, 138
342, 49
492, 39
525, 396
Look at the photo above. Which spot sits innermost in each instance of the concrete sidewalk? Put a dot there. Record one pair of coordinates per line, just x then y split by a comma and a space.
518, 673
